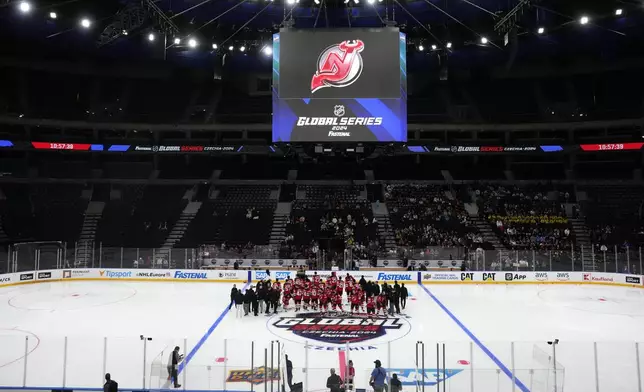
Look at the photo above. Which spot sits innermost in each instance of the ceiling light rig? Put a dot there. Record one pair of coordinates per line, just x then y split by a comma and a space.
584, 20
24, 7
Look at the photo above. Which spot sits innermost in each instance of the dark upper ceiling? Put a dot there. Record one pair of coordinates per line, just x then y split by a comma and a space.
606, 37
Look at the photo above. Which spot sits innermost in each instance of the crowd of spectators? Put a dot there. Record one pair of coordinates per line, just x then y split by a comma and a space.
428, 215
529, 217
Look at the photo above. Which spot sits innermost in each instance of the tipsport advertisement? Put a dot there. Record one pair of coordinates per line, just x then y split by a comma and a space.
339, 85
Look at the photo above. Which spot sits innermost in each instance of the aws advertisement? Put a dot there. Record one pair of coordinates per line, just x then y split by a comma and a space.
339, 85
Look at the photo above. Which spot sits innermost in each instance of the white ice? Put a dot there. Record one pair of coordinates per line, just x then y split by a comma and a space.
103, 322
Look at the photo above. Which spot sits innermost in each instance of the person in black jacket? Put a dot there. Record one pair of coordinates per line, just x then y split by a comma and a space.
255, 304
334, 382
248, 300
395, 384
173, 366
239, 303
275, 299
403, 295
261, 295
110, 385
362, 282
233, 294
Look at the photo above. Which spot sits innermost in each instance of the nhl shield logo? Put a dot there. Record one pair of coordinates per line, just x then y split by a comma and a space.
338, 110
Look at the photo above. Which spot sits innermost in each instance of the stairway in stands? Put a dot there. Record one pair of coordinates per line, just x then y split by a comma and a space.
486, 231
85, 251
582, 242
180, 227
280, 220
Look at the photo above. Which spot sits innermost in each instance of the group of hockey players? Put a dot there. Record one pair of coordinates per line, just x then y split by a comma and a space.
314, 293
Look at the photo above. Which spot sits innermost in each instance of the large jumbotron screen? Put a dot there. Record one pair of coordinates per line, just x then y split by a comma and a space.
340, 85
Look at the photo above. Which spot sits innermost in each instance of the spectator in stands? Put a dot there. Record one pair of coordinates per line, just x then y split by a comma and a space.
110, 385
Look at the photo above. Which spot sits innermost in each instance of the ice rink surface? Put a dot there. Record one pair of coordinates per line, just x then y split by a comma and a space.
494, 338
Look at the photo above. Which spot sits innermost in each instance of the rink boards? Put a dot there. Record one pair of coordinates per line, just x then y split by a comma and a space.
243, 276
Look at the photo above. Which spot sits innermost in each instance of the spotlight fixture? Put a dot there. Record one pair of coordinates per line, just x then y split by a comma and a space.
268, 50
541, 30
192, 43
242, 48
290, 2
24, 7
151, 37
434, 47
421, 48
316, 2
449, 45
124, 32
214, 46
177, 40
231, 47
484, 40
356, 1
584, 20
346, 1
618, 12
86, 23
53, 15
371, 1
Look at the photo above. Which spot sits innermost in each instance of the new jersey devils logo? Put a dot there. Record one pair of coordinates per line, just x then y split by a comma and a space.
338, 65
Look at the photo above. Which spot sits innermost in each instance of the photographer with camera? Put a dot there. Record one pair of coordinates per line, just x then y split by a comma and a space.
378, 376
173, 365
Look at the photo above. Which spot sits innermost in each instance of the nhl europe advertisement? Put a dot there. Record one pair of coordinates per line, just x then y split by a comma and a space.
339, 85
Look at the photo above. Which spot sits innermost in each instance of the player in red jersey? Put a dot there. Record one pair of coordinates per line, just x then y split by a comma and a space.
337, 302
307, 298
371, 305
314, 297
332, 281
381, 302
348, 286
324, 300
286, 298
298, 299
339, 287
316, 278
356, 299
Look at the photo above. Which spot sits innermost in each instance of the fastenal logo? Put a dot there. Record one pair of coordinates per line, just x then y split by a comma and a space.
190, 275
339, 65
341, 328
384, 276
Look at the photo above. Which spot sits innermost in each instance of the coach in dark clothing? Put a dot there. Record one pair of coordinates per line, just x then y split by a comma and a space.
110, 385
233, 294
275, 299
255, 303
362, 282
334, 382
248, 301
173, 366
403, 295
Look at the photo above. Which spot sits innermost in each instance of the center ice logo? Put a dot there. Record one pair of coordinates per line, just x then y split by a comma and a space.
340, 328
